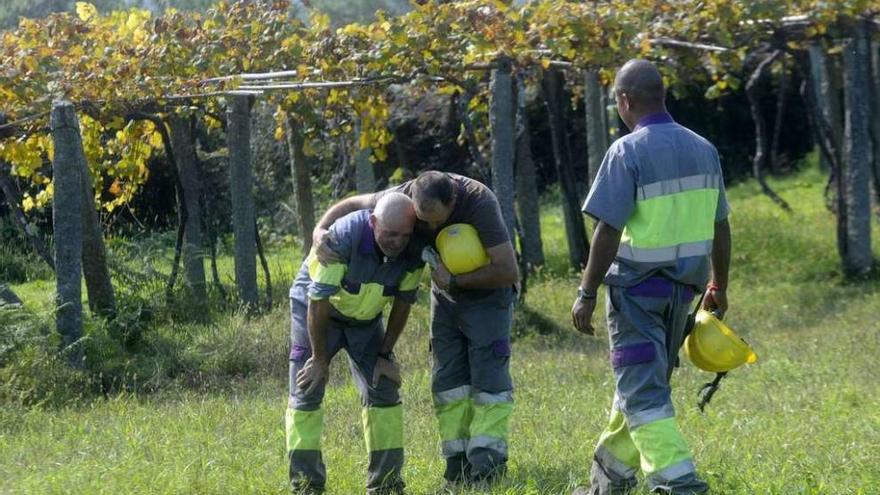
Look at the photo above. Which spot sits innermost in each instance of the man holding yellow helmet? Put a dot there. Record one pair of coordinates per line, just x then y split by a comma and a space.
471, 315
662, 231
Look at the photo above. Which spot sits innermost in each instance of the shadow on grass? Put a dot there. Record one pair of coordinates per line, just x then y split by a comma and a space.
526, 478
528, 321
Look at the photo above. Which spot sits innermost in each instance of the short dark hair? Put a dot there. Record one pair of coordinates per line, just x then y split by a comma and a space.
641, 80
433, 185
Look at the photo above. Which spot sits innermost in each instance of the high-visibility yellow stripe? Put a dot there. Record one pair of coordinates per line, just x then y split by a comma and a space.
491, 420
454, 418
325, 274
661, 445
367, 304
383, 427
411, 279
303, 429
672, 219
617, 442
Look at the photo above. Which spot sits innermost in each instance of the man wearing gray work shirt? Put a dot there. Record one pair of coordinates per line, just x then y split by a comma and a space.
336, 306
471, 316
662, 230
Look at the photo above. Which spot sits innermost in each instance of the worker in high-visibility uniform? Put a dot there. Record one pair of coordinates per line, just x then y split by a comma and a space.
662, 232
471, 318
339, 306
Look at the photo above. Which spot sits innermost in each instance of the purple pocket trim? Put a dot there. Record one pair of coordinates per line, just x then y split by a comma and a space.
687, 294
629, 355
652, 287
298, 352
501, 348
658, 287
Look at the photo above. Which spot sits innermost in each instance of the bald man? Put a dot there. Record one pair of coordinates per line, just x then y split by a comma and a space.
662, 234
339, 306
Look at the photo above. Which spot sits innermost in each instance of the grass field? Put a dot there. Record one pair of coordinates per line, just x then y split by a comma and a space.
804, 420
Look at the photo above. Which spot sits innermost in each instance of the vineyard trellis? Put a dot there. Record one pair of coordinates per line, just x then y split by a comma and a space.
140, 83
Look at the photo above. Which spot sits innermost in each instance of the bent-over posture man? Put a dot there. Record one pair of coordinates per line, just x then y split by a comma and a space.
339, 306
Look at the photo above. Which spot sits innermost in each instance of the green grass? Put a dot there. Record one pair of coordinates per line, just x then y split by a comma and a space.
804, 420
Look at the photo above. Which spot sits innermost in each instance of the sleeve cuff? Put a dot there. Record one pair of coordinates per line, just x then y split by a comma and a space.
408, 296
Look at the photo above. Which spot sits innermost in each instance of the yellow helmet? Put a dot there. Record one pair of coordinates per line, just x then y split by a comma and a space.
713, 346
460, 248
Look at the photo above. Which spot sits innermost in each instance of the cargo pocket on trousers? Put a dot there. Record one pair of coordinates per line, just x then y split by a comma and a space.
299, 353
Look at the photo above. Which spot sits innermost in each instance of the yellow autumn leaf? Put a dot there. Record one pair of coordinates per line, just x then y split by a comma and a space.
115, 188
545, 63
156, 141
86, 11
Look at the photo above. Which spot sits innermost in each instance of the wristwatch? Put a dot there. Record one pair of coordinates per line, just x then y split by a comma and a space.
387, 356
584, 295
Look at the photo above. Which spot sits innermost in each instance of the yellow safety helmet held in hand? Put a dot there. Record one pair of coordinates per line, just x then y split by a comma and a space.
460, 249
713, 346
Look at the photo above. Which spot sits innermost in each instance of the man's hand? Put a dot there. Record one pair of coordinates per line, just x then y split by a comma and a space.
387, 368
312, 375
442, 277
582, 315
715, 301
321, 240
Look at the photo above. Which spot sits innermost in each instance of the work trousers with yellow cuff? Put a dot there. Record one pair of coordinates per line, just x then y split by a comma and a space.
382, 413
645, 329
470, 380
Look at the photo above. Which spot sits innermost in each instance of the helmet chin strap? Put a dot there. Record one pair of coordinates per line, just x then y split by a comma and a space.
707, 390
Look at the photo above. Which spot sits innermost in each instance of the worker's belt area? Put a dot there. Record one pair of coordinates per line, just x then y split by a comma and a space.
338, 316
659, 286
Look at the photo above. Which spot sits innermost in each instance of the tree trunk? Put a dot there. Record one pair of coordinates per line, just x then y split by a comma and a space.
241, 192
818, 103
501, 123
857, 160
875, 115
193, 247
102, 300
13, 199
578, 248
595, 115
761, 138
826, 92
607, 110
528, 206
67, 223
265, 264
301, 172
365, 176
178, 189
462, 103
781, 92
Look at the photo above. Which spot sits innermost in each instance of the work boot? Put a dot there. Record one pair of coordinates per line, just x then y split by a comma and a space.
458, 469
302, 487
394, 489
487, 476
603, 482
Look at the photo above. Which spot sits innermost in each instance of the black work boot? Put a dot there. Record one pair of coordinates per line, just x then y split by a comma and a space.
457, 469
487, 476
605, 482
